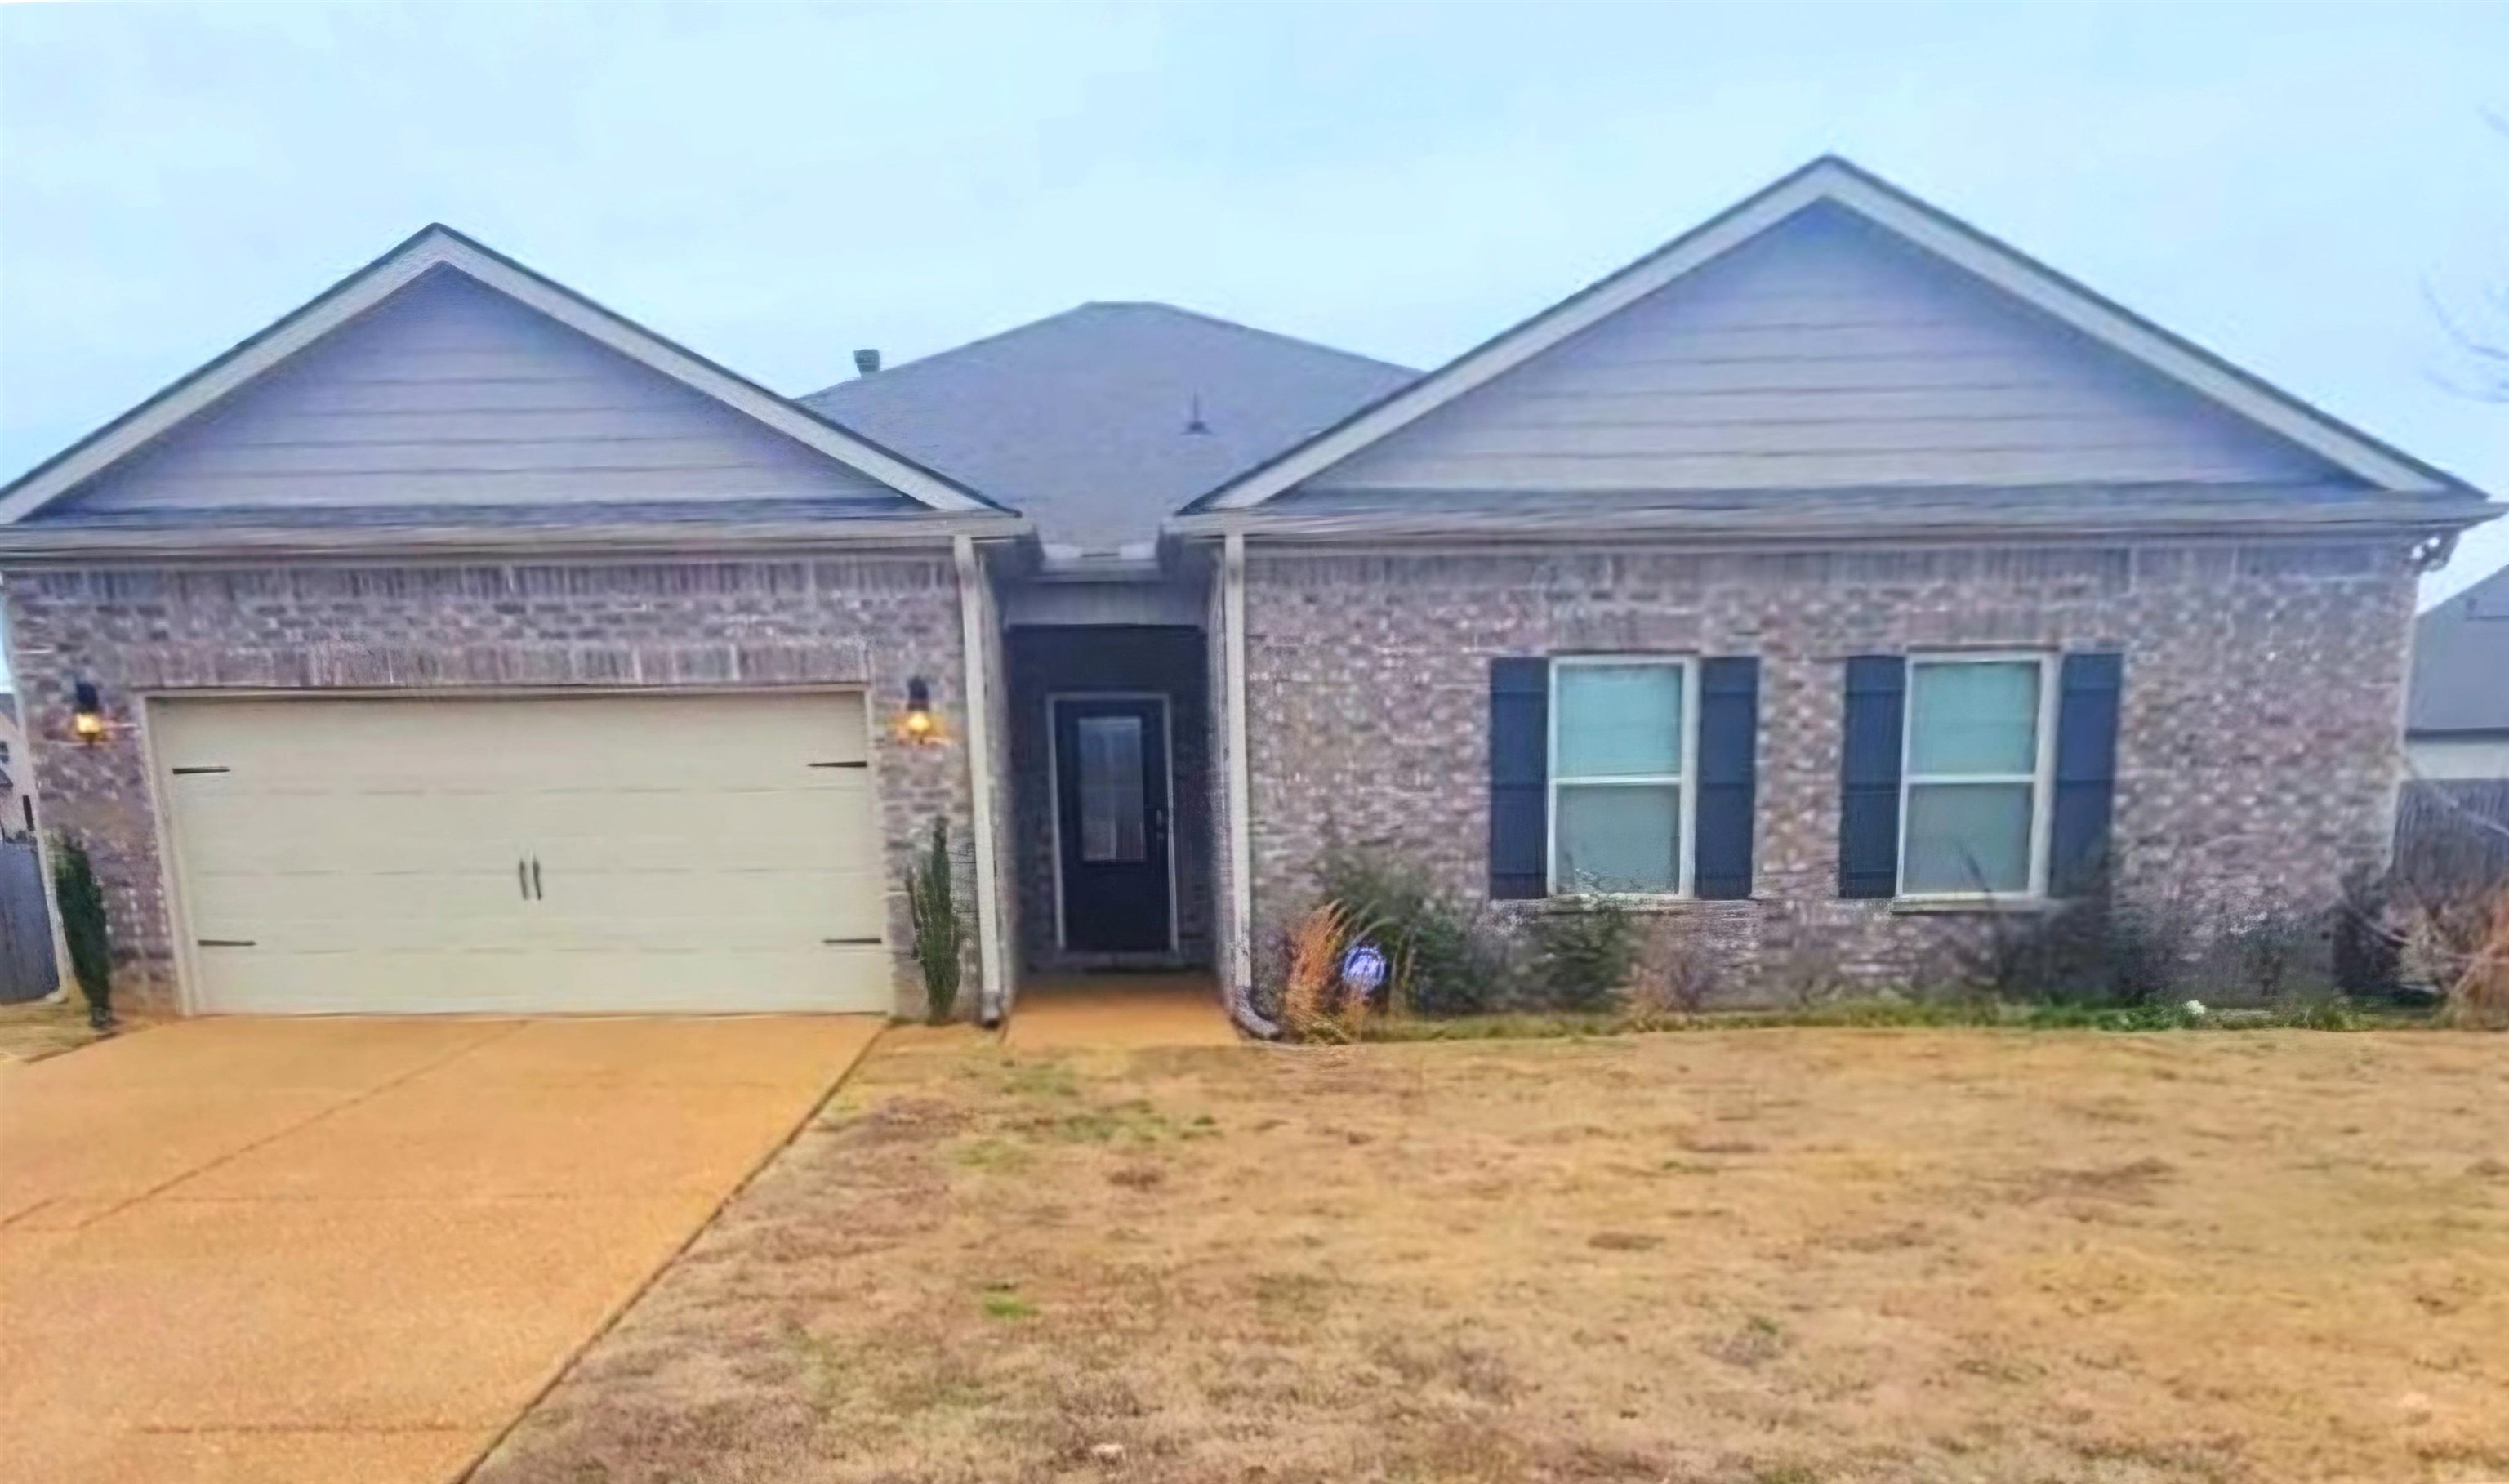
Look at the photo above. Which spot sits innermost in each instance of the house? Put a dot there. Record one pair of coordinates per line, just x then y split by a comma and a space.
2454, 821
16, 799
2456, 715
1834, 577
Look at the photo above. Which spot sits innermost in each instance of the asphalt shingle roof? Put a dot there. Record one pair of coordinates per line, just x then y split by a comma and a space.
2461, 662
1097, 423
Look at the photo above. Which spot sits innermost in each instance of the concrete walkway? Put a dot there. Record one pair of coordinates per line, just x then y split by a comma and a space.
1119, 1012
355, 1249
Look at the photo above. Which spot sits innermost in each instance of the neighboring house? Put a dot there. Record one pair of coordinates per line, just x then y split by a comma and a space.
16, 786
2455, 822
2456, 719
1833, 577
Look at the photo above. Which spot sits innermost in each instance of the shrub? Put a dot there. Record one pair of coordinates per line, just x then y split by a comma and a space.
2096, 950
1584, 954
2477, 997
932, 902
1442, 958
2447, 938
1679, 973
85, 927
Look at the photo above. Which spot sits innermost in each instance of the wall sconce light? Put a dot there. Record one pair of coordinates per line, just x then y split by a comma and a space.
86, 715
916, 724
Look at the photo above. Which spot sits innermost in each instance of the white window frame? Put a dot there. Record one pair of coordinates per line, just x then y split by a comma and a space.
1688, 782
2041, 778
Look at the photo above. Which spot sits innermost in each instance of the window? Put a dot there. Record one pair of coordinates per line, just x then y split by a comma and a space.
1622, 746
1975, 792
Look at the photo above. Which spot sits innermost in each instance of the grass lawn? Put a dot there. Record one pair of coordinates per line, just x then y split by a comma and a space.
39, 1028
1763, 1257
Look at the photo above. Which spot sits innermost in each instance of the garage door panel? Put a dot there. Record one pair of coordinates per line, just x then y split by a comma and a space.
628, 983
740, 833
332, 912
588, 909
335, 829
695, 853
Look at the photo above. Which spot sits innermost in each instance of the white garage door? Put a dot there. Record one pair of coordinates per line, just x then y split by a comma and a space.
611, 853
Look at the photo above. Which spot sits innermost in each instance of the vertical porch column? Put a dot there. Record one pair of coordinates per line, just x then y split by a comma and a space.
980, 778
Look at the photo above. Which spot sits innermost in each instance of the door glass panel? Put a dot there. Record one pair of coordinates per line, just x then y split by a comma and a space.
1112, 831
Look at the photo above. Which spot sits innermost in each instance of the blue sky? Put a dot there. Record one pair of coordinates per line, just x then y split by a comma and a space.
775, 185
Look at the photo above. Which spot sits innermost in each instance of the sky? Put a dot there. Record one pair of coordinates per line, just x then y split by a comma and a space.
2294, 187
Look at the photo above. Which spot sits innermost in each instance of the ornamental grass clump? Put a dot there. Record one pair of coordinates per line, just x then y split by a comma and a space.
2478, 998
1317, 1002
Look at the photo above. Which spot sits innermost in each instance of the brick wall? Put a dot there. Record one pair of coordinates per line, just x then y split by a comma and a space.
872, 621
2257, 751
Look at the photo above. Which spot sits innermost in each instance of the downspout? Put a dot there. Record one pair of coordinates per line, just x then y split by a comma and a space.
1241, 792
980, 778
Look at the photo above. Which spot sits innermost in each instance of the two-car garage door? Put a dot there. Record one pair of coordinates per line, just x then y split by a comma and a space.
610, 853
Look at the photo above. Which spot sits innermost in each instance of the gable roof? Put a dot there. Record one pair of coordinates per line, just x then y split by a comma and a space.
2461, 662
1086, 421
433, 248
1837, 182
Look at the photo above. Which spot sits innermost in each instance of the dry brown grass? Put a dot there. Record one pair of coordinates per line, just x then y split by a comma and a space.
40, 1028
1745, 1257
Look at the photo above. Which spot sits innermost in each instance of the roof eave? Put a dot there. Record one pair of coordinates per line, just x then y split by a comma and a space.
2387, 516
41, 546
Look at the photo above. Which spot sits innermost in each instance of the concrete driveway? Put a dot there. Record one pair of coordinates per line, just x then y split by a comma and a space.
330, 1249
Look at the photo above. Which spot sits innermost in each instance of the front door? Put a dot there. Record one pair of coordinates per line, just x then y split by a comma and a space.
1110, 806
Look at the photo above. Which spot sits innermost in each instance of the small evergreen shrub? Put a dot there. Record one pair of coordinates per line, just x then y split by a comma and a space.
86, 927
940, 933
1443, 958
1584, 954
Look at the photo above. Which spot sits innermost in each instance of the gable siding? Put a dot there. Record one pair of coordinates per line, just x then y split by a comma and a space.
451, 393
1824, 355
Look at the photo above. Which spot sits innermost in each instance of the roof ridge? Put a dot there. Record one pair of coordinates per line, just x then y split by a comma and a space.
922, 362
1242, 328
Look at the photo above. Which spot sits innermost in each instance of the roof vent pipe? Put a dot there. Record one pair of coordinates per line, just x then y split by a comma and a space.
866, 362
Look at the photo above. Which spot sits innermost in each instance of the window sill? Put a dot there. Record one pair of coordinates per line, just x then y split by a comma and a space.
1992, 906
1633, 901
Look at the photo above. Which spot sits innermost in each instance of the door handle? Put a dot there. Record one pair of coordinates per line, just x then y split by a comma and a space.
522, 879
537, 893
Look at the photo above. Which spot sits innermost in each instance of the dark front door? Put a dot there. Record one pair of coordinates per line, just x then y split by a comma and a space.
1111, 802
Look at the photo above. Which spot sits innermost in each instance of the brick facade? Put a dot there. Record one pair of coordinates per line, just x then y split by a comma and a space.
2257, 751
869, 621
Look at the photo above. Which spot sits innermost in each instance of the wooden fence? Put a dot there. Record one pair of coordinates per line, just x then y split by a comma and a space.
27, 970
2453, 833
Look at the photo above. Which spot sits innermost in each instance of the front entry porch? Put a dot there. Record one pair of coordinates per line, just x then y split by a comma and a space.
1119, 1012
1111, 788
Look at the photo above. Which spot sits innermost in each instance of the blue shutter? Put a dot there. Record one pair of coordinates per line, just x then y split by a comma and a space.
1729, 744
2086, 728
1520, 778
1868, 776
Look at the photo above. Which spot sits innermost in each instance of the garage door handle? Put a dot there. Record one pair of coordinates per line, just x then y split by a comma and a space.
537, 893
